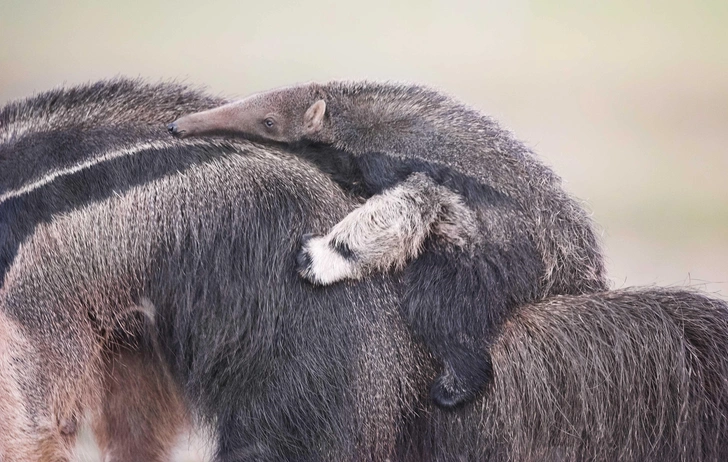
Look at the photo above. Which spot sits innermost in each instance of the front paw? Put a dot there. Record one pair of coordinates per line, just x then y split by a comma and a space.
322, 263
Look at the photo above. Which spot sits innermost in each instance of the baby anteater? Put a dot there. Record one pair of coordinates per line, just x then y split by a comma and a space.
484, 225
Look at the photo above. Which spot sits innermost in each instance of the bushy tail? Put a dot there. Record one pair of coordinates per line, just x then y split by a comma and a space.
624, 375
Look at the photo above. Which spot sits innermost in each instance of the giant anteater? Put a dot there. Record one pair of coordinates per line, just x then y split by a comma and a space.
452, 172
205, 250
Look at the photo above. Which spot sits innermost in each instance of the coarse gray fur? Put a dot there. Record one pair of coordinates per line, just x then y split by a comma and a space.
414, 121
285, 372
68, 147
50, 144
389, 230
527, 238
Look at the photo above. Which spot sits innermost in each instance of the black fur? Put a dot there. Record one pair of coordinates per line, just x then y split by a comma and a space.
283, 371
343, 249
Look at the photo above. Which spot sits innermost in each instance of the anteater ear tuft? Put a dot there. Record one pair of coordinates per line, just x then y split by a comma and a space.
313, 120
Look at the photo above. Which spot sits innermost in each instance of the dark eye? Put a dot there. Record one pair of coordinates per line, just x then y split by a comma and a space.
268, 122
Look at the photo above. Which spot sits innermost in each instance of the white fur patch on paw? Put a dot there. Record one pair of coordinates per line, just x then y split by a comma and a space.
324, 265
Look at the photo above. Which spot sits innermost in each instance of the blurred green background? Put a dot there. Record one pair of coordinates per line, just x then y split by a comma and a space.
627, 100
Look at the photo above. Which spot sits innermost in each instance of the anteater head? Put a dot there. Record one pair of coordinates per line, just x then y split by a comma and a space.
285, 115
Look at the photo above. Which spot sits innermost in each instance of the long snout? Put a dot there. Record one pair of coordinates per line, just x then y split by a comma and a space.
192, 124
219, 120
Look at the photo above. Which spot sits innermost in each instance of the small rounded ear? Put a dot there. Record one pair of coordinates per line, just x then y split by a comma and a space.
313, 119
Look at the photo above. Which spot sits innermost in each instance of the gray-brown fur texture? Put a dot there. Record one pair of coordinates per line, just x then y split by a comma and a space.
193, 270
389, 230
527, 239
64, 149
50, 144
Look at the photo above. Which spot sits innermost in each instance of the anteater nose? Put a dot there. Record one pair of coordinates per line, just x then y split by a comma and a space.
172, 128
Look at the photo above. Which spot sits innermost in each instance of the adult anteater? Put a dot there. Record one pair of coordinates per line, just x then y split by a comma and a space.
284, 371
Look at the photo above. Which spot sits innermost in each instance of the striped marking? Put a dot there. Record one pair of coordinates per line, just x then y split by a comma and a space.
107, 156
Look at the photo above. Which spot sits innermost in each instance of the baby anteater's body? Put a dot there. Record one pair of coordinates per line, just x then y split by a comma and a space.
484, 225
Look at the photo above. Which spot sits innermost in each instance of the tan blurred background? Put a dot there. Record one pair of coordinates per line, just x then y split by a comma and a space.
627, 100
